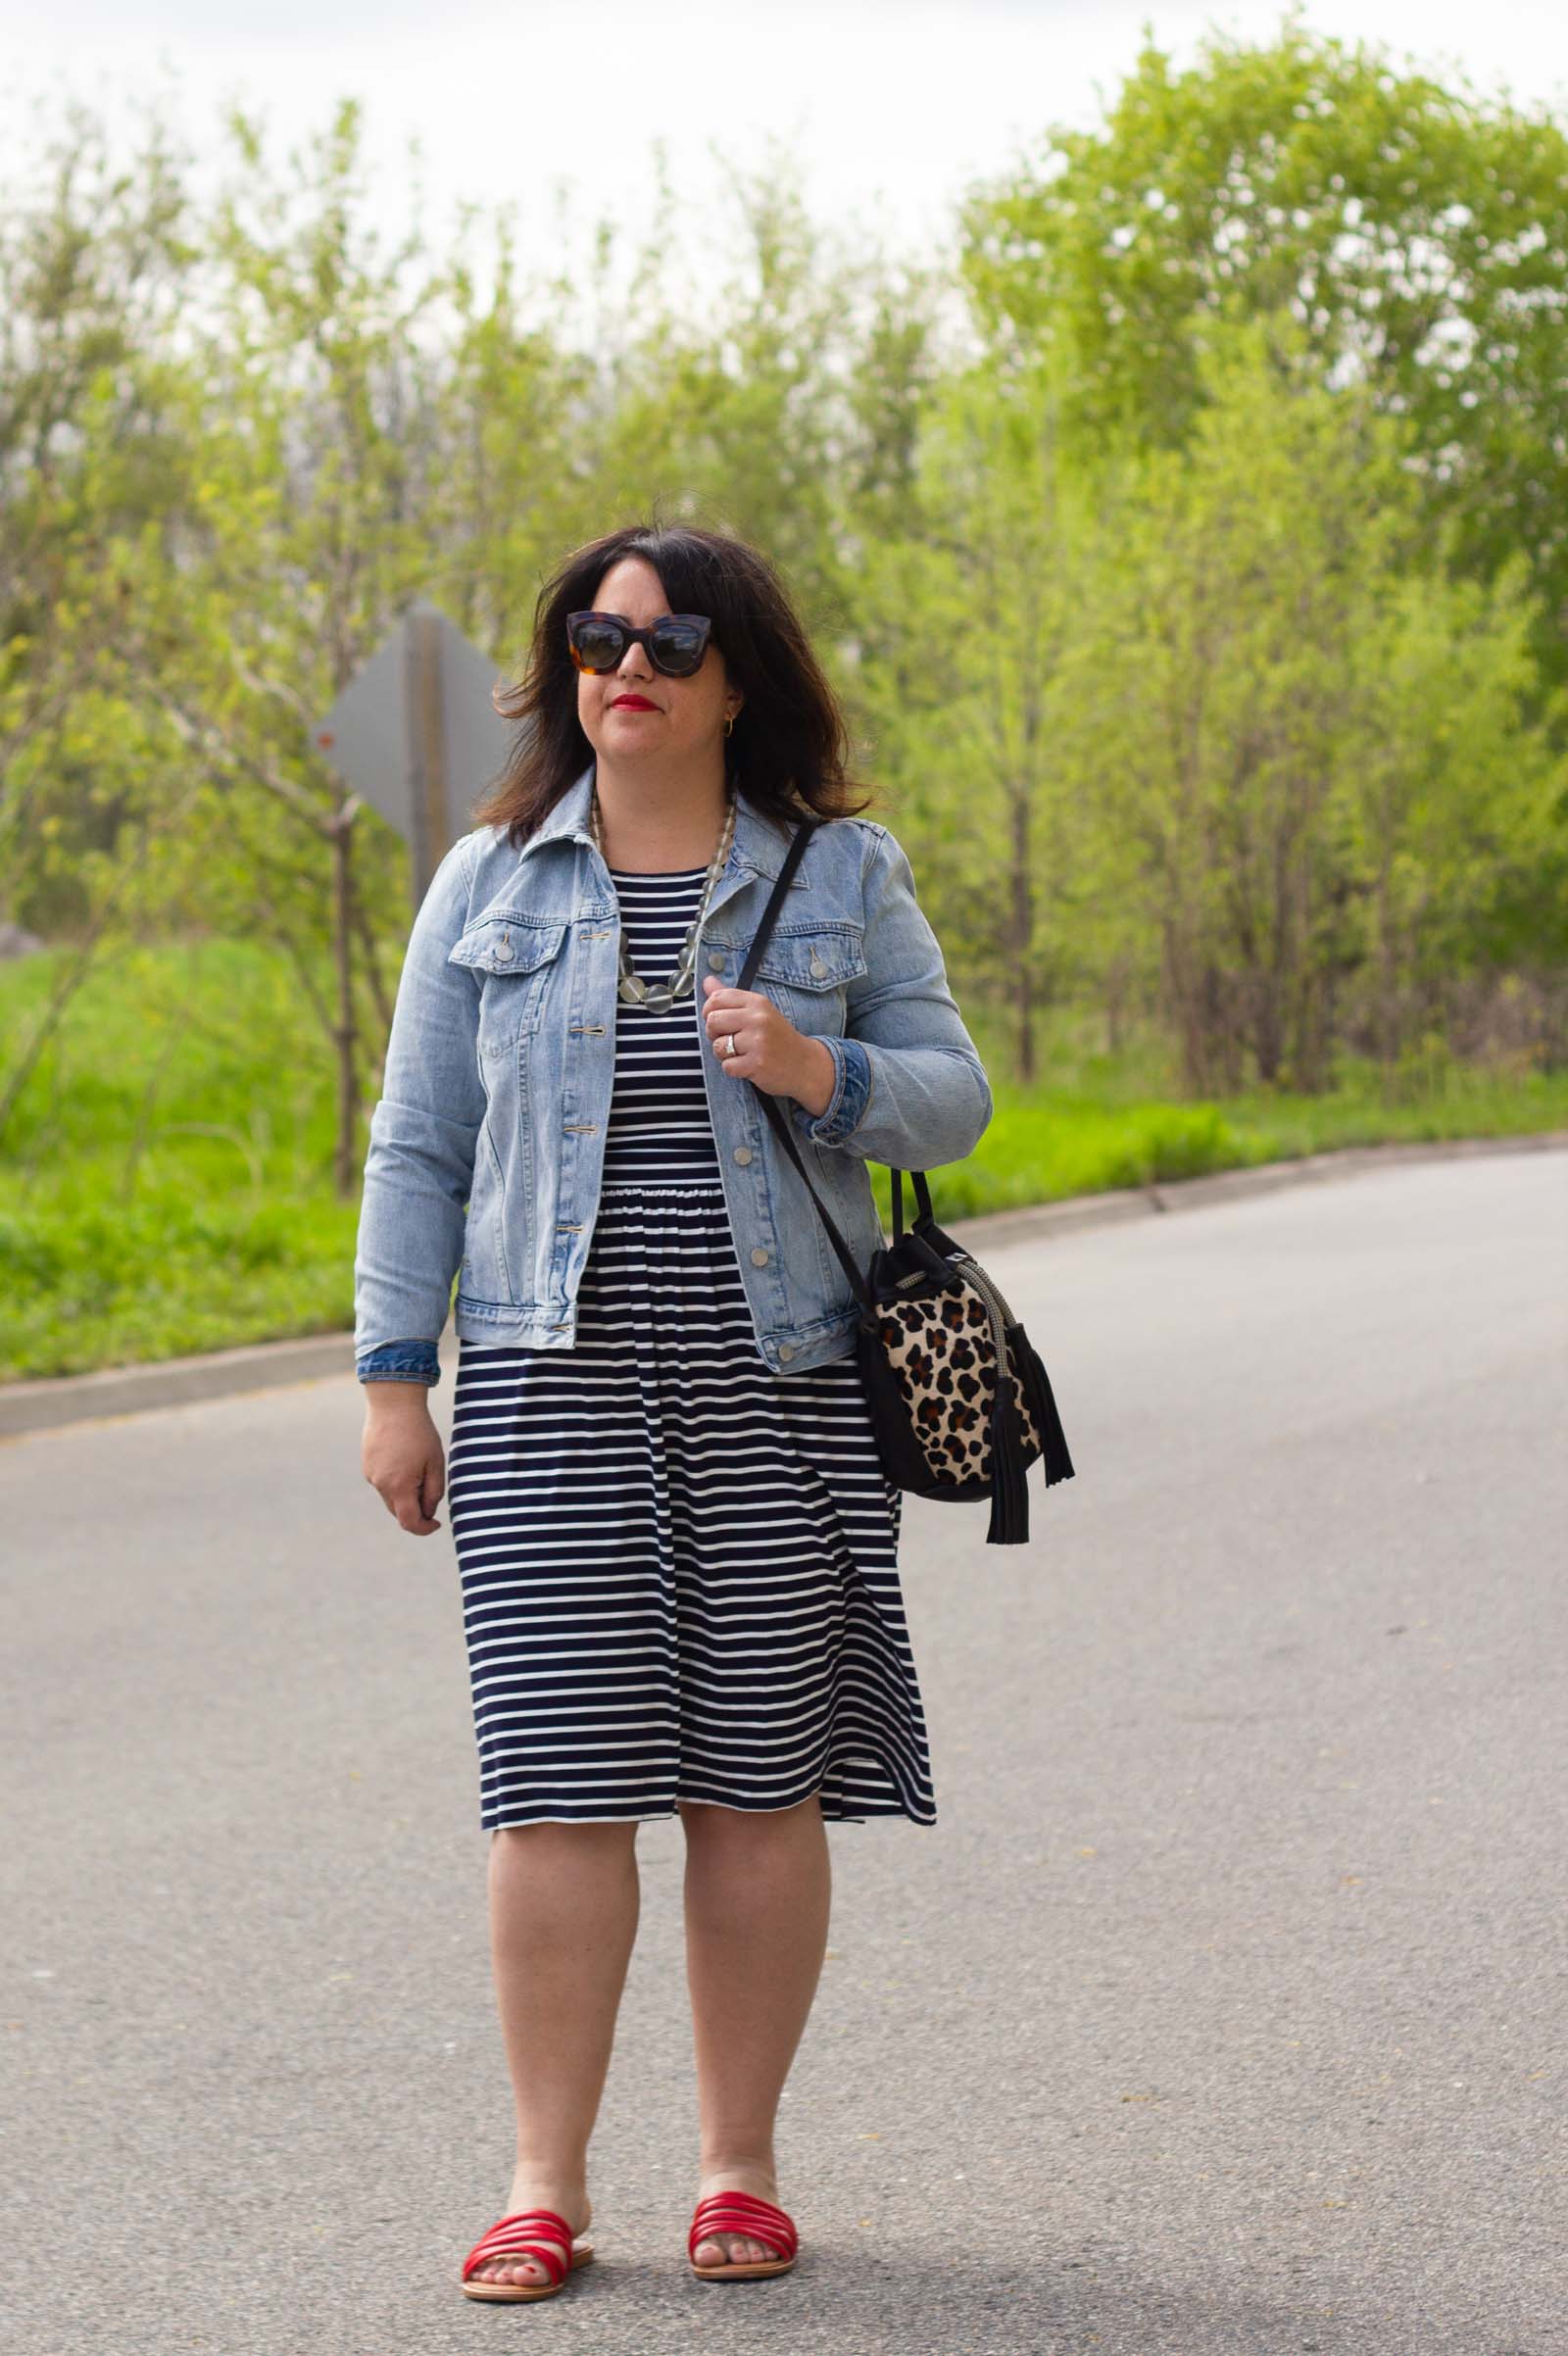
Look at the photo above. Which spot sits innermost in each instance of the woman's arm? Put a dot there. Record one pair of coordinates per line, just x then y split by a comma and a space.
911, 1091
419, 1167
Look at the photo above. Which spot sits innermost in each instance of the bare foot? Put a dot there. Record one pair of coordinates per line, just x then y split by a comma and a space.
531, 2191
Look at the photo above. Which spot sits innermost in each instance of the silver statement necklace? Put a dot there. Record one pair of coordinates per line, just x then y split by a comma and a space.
659, 996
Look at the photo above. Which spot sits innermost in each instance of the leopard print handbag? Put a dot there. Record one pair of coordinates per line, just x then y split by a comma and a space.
959, 1400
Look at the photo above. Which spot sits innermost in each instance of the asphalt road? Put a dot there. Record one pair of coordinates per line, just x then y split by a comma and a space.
1222, 2009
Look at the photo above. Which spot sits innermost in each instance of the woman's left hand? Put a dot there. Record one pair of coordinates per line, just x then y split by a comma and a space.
767, 1047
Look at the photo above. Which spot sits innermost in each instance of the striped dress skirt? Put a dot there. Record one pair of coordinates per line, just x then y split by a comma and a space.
679, 1570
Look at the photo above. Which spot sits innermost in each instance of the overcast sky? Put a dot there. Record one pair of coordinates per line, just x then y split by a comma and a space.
892, 105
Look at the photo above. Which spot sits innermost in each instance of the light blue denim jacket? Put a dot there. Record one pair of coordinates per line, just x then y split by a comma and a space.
487, 1146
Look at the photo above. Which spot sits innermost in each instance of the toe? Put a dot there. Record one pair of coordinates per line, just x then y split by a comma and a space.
516, 2271
729, 2249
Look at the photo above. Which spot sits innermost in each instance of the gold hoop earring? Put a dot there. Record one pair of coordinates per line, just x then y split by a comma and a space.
729, 723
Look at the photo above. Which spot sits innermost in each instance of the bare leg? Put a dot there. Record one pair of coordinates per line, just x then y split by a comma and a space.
758, 1890
564, 1906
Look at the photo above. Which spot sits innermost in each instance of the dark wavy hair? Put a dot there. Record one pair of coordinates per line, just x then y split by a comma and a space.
789, 747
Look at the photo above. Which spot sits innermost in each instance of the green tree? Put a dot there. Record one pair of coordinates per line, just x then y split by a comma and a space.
964, 615
1416, 232
1301, 725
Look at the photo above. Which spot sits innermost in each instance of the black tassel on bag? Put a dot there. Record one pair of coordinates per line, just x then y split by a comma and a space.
1009, 1494
911, 1281
1043, 1408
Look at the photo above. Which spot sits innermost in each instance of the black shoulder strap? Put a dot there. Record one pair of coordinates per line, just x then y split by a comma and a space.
775, 901
777, 1116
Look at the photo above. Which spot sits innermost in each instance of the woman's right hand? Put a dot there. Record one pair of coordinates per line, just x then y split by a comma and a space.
401, 1453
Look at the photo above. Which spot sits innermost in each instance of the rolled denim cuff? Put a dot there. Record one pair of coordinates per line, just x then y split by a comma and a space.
400, 1362
846, 1107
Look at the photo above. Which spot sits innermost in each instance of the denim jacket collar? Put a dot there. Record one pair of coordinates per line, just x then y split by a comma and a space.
757, 848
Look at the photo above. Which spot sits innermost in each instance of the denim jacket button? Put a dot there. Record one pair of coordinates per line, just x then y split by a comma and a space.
715, 958
786, 1352
758, 1256
742, 1153
817, 966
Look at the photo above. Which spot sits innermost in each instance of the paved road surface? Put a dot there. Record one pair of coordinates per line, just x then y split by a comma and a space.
1222, 2011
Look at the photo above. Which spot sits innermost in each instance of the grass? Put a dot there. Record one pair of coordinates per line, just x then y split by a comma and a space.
164, 1177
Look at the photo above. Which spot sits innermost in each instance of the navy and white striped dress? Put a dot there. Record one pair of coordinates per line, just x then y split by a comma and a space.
679, 1569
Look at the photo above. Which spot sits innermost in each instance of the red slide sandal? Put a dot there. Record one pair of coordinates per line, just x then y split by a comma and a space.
743, 2213
537, 2234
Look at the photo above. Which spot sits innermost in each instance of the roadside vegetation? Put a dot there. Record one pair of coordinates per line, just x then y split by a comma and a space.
1185, 539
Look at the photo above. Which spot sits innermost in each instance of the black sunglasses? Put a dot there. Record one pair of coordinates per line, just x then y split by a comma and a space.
675, 643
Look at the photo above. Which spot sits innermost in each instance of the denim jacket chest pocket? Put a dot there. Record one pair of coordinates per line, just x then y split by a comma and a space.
806, 970
511, 957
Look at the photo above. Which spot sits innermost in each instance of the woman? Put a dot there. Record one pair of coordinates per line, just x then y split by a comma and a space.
677, 1550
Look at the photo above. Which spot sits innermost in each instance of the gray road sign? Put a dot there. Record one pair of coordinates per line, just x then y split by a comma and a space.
416, 734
